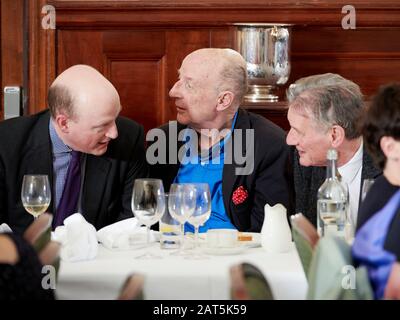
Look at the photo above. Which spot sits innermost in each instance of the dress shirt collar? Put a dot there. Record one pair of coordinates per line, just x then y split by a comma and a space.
58, 145
350, 170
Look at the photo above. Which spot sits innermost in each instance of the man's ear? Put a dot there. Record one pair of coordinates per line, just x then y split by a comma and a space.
388, 147
62, 122
225, 100
337, 136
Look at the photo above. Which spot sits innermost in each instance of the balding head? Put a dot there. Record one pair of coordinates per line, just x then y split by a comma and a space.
228, 67
77, 89
84, 106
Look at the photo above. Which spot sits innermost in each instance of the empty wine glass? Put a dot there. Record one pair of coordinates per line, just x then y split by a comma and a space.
35, 194
148, 205
181, 205
201, 214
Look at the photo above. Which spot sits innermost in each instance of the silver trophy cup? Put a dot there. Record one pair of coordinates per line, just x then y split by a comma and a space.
266, 49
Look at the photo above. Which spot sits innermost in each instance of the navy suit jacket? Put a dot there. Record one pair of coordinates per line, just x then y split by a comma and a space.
25, 148
268, 183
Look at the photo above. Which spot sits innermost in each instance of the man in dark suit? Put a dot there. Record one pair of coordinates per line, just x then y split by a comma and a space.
323, 113
240, 155
82, 119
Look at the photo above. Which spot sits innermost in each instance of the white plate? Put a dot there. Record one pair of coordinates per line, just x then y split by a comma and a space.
224, 251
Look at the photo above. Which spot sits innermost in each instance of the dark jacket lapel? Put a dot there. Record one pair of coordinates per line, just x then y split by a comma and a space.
369, 170
229, 176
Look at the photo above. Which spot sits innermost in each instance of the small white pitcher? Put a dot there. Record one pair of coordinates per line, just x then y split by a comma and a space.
275, 233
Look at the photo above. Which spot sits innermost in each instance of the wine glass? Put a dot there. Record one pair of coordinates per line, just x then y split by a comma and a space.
181, 205
35, 194
201, 213
148, 205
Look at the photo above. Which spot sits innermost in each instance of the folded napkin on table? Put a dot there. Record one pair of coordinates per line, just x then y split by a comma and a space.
5, 228
78, 239
124, 233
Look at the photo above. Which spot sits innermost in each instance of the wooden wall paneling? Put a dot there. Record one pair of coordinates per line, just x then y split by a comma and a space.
221, 37
136, 63
12, 73
42, 57
369, 72
132, 60
219, 12
367, 55
275, 112
138, 84
335, 39
79, 47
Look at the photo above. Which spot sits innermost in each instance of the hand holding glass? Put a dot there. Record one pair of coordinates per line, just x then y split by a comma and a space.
35, 194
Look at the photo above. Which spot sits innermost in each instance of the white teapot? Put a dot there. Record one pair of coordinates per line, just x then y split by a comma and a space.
276, 236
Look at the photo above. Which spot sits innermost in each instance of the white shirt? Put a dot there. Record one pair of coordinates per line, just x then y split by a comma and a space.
351, 175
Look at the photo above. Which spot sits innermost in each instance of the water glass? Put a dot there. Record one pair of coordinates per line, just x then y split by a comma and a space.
181, 205
169, 229
201, 214
148, 206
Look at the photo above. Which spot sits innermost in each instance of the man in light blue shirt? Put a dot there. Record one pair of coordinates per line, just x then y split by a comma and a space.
251, 166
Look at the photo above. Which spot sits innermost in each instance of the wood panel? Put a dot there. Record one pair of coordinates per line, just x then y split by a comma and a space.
138, 84
79, 47
367, 56
133, 61
11, 51
140, 44
218, 12
42, 57
369, 72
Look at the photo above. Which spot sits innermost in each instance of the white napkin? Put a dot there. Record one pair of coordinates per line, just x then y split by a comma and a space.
4, 228
121, 234
78, 239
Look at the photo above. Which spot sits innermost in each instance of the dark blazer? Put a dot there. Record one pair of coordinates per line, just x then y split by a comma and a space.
379, 194
307, 181
25, 148
268, 183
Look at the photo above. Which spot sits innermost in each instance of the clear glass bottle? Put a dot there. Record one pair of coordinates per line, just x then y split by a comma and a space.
332, 201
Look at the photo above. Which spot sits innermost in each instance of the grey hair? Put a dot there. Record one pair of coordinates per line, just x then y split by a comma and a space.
333, 104
233, 75
320, 80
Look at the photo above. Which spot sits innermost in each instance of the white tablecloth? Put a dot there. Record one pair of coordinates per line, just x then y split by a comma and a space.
175, 277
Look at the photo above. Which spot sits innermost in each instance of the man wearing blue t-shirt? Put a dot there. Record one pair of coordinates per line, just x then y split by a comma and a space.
241, 155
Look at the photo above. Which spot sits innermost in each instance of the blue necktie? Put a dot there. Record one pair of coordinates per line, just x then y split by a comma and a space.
69, 199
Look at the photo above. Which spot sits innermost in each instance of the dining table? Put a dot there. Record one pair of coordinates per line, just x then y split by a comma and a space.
175, 277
